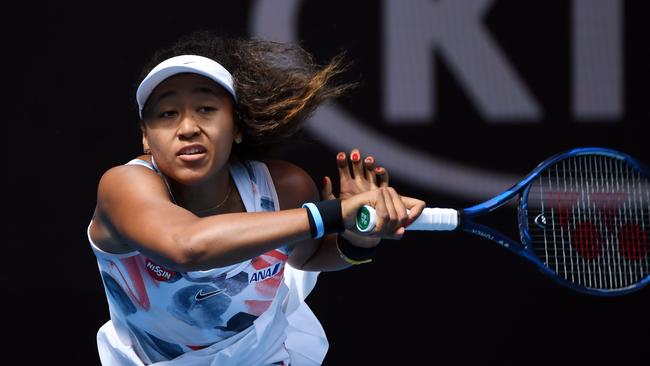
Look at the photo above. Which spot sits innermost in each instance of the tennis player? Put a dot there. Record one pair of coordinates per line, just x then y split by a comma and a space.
206, 250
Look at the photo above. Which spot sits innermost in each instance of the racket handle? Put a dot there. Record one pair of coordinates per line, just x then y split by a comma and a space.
431, 219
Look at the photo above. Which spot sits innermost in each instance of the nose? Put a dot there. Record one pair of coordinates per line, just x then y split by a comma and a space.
188, 127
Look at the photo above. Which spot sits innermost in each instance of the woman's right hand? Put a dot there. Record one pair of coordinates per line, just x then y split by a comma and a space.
392, 214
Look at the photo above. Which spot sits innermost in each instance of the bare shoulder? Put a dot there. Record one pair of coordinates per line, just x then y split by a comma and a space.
125, 180
122, 189
292, 183
115, 174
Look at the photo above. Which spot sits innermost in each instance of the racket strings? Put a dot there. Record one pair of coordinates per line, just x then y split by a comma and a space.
589, 221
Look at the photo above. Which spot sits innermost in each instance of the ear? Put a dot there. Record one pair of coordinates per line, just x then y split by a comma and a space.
145, 141
238, 135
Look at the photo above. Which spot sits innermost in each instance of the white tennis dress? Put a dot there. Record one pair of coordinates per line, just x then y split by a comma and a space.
250, 313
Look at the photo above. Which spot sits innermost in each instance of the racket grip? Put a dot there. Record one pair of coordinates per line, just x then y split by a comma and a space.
431, 219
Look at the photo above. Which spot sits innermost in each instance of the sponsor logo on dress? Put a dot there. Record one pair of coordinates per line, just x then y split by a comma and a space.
264, 273
159, 272
204, 295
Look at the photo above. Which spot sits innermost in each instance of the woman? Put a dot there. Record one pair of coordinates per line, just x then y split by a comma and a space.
207, 253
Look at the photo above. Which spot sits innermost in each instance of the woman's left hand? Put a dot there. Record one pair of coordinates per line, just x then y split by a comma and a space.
356, 175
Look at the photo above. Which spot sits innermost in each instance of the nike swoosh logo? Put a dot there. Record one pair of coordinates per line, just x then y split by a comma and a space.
202, 296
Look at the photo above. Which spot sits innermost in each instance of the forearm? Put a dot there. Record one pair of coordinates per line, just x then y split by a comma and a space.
222, 240
326, 258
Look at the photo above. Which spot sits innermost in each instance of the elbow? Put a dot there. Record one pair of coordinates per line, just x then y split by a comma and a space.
188, 254
297, 265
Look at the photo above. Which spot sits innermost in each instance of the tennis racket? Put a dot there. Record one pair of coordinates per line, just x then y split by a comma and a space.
583, 219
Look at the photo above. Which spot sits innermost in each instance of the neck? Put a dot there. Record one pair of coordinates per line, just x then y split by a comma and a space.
208, 194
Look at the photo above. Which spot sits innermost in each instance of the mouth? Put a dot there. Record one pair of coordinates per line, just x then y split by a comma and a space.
192, 153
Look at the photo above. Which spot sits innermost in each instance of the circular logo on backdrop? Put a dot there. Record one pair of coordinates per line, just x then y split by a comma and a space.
498, 104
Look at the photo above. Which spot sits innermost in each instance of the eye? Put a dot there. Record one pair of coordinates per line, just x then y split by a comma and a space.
167, 114
207, 109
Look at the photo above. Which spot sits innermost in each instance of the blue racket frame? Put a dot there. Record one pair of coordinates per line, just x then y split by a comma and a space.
524, 248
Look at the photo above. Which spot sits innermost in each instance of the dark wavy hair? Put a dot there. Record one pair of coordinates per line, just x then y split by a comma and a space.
278, 85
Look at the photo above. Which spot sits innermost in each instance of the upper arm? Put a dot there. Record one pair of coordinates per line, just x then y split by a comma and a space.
134, 205
293, 184
294, 187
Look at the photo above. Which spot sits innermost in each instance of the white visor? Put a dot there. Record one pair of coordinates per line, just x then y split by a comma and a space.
182, 64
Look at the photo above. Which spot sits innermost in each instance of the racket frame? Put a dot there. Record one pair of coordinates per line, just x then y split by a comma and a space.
524, 247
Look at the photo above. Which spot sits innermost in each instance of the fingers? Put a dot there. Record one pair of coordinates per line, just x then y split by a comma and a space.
357, 165
400, 208
415, 207
326, 191
369, 164
401, 215
391, 218
351, 205
390, 208
342, 165
357, 173
382, 174
365, 169
391, 223
382, 212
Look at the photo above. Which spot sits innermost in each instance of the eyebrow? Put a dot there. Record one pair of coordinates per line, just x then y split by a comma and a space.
165, 95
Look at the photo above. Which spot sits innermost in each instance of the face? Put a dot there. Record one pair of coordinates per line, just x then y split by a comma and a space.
189, 128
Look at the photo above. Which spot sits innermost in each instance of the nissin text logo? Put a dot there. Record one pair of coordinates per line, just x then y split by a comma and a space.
159, 272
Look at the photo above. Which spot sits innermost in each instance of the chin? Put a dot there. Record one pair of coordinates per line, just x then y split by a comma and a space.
190, 177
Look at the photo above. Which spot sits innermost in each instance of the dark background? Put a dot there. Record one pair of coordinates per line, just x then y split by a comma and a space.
72, 68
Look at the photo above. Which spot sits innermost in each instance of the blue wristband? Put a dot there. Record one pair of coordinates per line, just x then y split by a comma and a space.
318, 220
